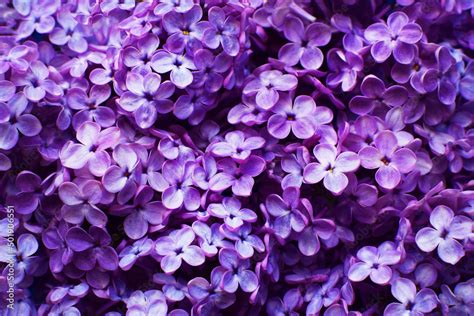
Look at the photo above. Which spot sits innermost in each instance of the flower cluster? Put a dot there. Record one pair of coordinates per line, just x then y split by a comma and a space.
281, 157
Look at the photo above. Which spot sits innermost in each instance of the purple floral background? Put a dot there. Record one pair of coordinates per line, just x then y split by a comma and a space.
280, 157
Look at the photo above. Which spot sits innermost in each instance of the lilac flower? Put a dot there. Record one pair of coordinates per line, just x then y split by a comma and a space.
146, 98
398, 35
245, 242
300, 117
322, 295
201, 290
222, 31
185, 29
460, 302
179, 66
166, 6
388, 158
236, 272
211, 239
309, 241
179, 190
176, 247
266, 86
376, 95
29, 196
58, 293
25, 262
230, 210
240, 178
291, 301
193, 106
36, 83
68, 32
247, 113
130, 254
14, 58
203, 174
210, 69
109, 5
14, 120
448, 229
411, 302
91, 150
141, 214
80, 202
237, 146
151, 302
331, 167
92, 247
140, 57
174, 290
54, 240
442, 78
37, 17
89, 106
375, 262
286, 211
121, 178
294, 165
345, 68
305, 44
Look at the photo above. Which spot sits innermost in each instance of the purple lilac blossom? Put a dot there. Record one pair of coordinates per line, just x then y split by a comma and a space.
286, 157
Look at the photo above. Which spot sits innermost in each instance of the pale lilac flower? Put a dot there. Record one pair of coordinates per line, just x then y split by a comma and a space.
185, 29
151, 302
91, 150
80, 202
294, 165
140, 56
176, 247
14, 120
286, 211
146, 97
69, 32
211, 239
411, 301
222, 31
179, 66
240, 178
245, 242
236, 272
143, 213
331, 168
448, 229
398, 35
300, 116
179, 190
375, 262
130, 254
305, 44
14, 58
36, 83
121, 178
230, 210
237, 145
266, 86
389, 160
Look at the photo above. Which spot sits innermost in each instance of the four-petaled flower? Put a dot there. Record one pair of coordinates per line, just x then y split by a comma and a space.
447, 232
176, 247
331, 167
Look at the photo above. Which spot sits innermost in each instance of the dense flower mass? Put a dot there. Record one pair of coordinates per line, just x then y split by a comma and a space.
281, 157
